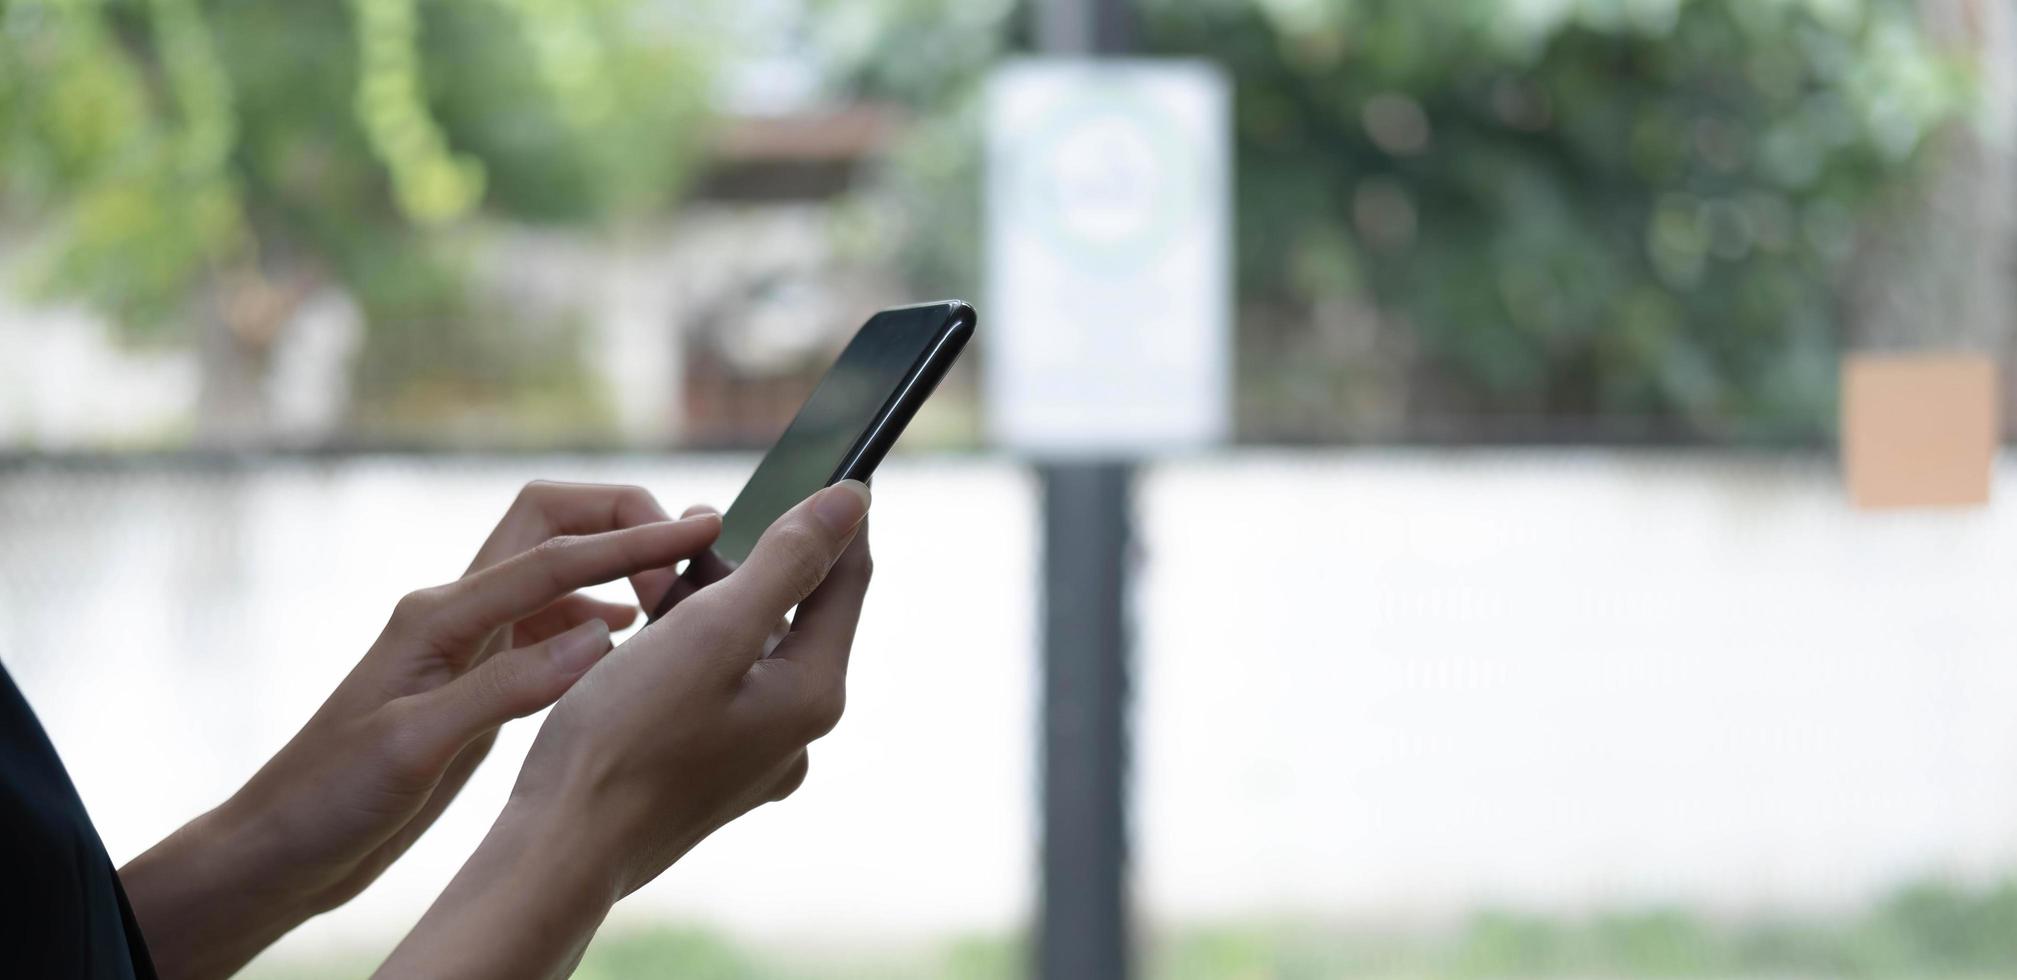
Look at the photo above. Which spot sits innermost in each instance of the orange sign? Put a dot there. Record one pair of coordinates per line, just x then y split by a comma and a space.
1919, 430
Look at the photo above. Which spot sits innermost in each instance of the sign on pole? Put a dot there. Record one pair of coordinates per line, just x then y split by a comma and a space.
1108, 289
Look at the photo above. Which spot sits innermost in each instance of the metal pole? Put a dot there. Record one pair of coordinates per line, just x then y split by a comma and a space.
1063, 27
1085, 27
1083, 931
1084, 934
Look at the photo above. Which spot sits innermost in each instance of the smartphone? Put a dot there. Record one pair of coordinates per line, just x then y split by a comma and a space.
845, 428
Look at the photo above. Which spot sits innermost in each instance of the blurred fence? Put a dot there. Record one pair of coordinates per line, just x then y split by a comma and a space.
1373, 686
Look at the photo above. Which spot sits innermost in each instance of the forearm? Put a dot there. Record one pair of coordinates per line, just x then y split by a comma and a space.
524, 906
208, 897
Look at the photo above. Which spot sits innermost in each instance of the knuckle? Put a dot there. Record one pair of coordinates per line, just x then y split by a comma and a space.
402, 741
804, 554
507, 689
793, 778
635, 497
531, 499
636, 550
703, 622
551, 555
494, 687
798, 542
419, 606
554, 546
824, 704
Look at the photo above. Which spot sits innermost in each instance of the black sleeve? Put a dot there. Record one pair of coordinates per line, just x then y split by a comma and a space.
62, 912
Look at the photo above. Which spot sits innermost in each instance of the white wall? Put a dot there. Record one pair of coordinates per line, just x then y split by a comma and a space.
1405, 683
1373, 683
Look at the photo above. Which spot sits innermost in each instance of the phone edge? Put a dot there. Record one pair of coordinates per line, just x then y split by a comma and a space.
916, 388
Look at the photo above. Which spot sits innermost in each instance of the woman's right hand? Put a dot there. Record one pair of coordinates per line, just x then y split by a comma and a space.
682, 729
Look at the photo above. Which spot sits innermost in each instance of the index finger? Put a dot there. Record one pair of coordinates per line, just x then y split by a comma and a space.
547, 508
529, 581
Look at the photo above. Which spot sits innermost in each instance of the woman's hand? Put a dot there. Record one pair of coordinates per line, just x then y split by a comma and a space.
684, 728
405, 730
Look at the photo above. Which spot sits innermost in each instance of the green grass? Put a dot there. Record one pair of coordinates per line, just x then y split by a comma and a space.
1934, 930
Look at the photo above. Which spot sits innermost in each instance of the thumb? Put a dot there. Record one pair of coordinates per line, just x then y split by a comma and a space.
513, 684
793, 557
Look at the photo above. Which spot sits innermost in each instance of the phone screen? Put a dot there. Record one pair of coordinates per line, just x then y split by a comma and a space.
843, 406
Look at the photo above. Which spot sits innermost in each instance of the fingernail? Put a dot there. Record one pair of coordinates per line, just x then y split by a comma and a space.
706, 515
579, 648
842, 506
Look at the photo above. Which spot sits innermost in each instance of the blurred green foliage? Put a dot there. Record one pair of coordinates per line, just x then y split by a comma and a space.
1933, 930
1576, 210
1462, 217
180, 163
1628, 210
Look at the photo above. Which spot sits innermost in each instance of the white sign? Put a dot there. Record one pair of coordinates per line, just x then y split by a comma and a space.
1107, 302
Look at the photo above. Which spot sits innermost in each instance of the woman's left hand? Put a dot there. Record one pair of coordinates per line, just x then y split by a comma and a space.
402, 734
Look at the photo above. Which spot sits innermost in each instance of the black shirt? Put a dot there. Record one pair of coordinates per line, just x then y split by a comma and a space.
62, 912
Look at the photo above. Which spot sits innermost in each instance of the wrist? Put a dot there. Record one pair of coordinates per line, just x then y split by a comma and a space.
524, 905
600, 827
206, 898
567, 846
253, 853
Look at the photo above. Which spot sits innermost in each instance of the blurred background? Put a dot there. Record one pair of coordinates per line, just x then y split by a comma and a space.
1517, 621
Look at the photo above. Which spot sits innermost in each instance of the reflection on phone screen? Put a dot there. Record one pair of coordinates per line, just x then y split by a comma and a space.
819, 440
810, 452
